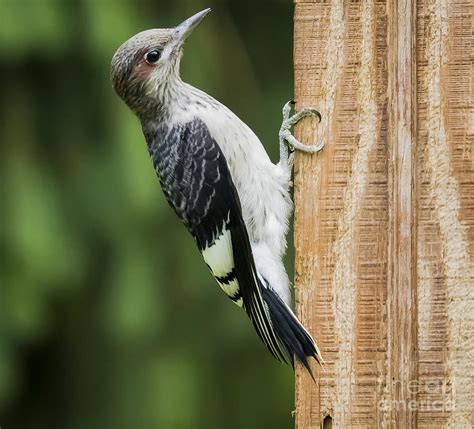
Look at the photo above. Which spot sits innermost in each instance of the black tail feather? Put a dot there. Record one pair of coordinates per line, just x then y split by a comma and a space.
292, 336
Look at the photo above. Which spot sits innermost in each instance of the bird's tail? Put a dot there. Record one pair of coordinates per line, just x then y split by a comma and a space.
293, 339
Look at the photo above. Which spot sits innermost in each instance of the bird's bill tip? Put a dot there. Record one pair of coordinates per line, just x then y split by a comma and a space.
184, 29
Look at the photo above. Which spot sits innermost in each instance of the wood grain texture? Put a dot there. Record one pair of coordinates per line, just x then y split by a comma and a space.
446, 214
402, 358
384, 215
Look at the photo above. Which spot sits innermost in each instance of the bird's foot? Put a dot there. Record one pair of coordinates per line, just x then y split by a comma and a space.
288, 139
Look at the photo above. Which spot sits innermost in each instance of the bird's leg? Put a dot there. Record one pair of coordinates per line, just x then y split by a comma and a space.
287, 139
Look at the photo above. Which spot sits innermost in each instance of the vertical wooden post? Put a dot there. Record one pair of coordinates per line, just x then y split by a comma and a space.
402, 284
384, 216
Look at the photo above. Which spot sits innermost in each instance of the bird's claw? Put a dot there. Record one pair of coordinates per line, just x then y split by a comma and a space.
286, 138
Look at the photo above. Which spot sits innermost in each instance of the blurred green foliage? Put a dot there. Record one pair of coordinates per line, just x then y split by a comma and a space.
108, 317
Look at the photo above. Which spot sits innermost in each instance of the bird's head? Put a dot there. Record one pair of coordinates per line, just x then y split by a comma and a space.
147, 64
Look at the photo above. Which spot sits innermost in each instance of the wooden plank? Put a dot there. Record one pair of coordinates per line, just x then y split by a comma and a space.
384, 216
341, 216
445, 250
402, 274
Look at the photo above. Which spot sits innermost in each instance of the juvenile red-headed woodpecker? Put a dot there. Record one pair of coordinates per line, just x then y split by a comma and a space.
220, 182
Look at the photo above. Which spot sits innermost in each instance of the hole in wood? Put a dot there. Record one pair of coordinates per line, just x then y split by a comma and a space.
327, 422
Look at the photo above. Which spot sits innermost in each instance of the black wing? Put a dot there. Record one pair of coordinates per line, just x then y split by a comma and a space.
198, 185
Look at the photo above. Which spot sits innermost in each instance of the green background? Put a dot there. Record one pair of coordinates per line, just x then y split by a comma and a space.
108, 316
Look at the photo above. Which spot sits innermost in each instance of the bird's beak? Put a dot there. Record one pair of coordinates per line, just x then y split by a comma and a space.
183, 30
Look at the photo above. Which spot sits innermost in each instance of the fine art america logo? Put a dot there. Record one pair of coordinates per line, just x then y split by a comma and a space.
427, 395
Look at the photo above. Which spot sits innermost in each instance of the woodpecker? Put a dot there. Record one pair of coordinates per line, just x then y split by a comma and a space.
219, 180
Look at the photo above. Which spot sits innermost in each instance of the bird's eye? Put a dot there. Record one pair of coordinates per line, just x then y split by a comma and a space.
153, 56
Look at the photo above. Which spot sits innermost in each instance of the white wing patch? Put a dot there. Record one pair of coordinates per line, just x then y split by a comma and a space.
239, 302
232, 289
220, 259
